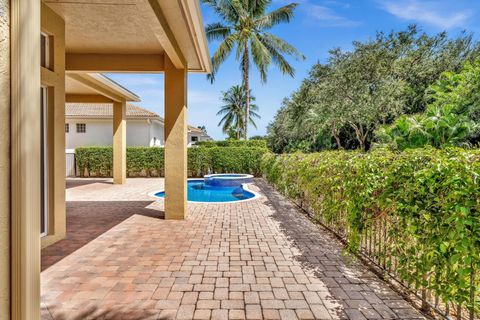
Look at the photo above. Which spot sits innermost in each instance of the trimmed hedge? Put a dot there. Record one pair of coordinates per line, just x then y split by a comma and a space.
149, 162
429, 198
233, 143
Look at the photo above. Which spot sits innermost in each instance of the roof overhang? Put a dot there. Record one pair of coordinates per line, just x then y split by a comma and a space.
94, 87
132, 35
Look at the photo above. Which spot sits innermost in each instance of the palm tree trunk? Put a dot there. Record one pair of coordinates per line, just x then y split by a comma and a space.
246, 85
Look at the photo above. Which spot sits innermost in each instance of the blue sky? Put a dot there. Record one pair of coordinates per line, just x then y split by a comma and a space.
318, 26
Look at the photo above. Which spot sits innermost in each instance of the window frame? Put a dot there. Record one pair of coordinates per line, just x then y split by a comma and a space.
79, 125
46, 50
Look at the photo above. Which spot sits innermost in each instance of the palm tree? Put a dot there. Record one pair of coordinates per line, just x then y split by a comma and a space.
233, 111
245, 25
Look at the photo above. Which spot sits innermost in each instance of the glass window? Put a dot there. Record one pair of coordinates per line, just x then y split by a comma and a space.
194, 139
67, 128
45, 51
81, 128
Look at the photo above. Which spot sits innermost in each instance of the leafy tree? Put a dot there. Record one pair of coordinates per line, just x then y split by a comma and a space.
233, 112
245, 25
258, 137
361, 93
451, 119
343, 101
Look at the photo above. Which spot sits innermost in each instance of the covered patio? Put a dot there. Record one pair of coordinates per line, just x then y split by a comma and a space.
59, 50
259, 259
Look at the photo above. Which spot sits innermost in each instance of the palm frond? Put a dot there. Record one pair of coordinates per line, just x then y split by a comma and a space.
279, 60
281, 45
252, 122
261, 56
217, 31
224, 9
222, 54
256, 8
254, 115
283, 14
239, 7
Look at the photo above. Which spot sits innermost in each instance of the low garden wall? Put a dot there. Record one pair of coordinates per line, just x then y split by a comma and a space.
149, 162
414, 214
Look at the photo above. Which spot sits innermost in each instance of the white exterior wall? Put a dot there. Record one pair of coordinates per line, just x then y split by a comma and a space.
99, 132
157, 137
138, 133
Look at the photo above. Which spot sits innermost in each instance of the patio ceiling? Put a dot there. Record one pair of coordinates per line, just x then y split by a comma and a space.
132, 35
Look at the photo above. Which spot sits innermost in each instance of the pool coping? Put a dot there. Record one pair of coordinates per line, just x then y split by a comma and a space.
245, 186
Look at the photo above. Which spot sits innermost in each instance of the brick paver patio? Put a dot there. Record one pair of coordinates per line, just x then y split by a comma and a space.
261, 259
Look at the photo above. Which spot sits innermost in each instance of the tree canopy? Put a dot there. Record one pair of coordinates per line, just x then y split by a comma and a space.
343, 101
452, 117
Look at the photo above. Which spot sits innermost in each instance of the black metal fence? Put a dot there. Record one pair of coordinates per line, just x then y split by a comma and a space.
375, 247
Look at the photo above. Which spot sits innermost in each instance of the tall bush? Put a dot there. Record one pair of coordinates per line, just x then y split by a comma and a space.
143, 161
429, 198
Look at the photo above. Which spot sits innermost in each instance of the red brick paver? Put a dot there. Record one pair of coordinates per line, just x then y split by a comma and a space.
260, 259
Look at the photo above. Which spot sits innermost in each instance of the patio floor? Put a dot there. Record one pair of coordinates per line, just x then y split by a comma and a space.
260, 259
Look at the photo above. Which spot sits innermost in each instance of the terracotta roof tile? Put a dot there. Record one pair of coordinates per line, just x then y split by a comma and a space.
105, 110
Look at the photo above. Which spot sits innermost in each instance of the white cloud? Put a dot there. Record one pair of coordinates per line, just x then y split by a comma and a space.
322, 14
427, 12
328, 17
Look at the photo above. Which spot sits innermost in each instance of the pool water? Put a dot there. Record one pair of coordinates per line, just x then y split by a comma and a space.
197, 191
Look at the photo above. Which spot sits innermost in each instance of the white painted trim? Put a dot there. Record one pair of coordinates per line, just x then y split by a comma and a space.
222, 176
245, 187
45, 160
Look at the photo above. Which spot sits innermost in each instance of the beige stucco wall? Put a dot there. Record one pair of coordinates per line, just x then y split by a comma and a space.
4, 159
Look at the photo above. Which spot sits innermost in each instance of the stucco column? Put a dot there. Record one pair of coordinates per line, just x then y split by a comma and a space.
119, 142
25, 160
175, 141
5, 159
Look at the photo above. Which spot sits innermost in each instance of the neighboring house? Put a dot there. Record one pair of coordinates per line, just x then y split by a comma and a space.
196, 134
90, 124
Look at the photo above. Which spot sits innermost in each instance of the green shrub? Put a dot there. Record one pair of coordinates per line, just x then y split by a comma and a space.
144, 161
429, 200
96, 161
199, 162
236, 159
233, 143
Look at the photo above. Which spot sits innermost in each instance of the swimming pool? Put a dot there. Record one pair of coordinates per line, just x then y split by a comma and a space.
198, 191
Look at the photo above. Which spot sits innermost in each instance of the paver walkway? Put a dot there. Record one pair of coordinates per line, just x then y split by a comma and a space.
261, 259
